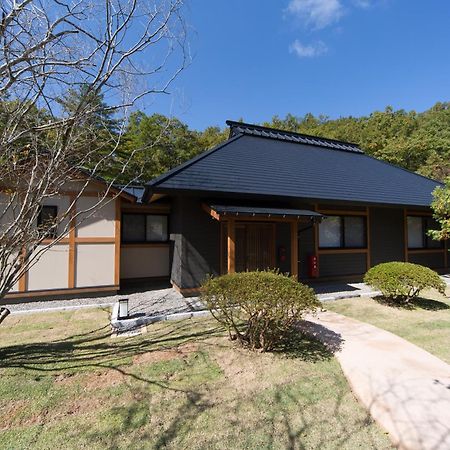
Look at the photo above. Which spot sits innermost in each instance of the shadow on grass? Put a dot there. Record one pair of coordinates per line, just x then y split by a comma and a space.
429, 304
426, 304
191, 405
96, 349
305, 347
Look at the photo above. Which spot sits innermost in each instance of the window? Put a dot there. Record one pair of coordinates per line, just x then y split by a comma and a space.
343, 232
144, 228
418, 228
46, 221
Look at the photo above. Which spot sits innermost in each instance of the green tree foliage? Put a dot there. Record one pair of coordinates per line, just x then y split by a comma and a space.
161, 144
441, 208
99, 134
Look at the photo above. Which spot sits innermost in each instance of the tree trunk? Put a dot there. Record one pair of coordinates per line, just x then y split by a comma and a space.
4, 312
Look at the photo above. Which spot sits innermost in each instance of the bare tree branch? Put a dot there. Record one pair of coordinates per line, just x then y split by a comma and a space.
127, 50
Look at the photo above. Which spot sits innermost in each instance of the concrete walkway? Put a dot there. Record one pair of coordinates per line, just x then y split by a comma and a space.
405, 388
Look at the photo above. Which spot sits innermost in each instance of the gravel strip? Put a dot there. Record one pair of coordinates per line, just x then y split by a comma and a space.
150, 302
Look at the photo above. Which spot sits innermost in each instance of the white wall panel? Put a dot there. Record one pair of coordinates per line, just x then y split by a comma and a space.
99, 223
51, 272
94, 265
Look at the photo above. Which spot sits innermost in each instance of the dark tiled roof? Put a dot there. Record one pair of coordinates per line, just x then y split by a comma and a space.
289, 136
136, 191
253, 165
262, 211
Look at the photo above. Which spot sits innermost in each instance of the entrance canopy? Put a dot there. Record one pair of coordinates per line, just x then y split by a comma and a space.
222, 212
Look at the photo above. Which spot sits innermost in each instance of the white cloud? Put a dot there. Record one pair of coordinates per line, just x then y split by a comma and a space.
362, 3
317, 13
308, 50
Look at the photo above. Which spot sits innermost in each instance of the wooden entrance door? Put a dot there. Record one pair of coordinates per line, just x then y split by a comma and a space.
255, 246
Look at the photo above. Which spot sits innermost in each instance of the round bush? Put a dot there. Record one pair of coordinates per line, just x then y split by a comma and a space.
400, 282
258, 308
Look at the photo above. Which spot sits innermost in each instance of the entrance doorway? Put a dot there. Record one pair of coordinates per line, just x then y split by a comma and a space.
254, 246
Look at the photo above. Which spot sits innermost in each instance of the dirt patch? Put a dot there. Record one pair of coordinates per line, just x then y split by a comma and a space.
101, 380
64, 379
247, 372
9, 412
165, 355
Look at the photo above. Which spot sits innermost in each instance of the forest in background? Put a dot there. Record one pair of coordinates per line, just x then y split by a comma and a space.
146, 146
419, 142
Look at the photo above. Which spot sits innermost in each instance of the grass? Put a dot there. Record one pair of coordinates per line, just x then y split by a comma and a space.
425, 323
65, 383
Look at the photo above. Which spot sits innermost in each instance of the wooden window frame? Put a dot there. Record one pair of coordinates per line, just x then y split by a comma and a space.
342, 246
425, 237
124, 242
50, 233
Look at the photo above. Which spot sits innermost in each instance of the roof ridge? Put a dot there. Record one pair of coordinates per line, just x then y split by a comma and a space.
242, 125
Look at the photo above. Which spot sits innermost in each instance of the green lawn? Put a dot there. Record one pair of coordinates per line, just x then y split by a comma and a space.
65, 383
426, 323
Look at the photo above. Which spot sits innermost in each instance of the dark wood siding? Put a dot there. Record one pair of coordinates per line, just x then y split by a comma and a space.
431, 260
387, 235
196, 252
344, 264
283, 239
306, 247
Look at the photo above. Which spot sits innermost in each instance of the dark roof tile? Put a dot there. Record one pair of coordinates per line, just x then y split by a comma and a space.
252, 164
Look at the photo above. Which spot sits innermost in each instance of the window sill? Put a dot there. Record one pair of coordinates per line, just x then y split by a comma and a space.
144, 244
426, 250
325, 251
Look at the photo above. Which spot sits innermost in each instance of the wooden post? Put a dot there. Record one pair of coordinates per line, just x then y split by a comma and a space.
369, 241
294, 249
23, 278
117, 242
405, 234
231, 237
72, 245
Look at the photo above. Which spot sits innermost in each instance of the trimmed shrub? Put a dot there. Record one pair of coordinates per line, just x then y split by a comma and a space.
258, 308
400, 282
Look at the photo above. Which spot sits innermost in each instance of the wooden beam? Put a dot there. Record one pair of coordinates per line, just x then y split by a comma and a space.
333, 251
413, 251
405, 233
72, 246
341, 212
316, 241
155, 197
47, 292
410, 212
294, 249
210, 211
23, 278
117, 243
231, 243
145, 245
369, 247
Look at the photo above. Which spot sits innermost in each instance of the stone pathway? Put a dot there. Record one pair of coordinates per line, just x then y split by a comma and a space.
405, 388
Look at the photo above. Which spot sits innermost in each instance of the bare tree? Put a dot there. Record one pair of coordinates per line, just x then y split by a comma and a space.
126, 50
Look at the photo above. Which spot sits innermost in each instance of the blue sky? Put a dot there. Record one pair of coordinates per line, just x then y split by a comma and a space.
254, 59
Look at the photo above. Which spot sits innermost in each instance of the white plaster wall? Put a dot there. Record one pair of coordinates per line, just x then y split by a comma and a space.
101, 222
143, 262
51, 271
94, 265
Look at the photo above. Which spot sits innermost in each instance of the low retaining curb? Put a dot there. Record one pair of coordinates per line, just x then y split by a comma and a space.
122, 325
352, 294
